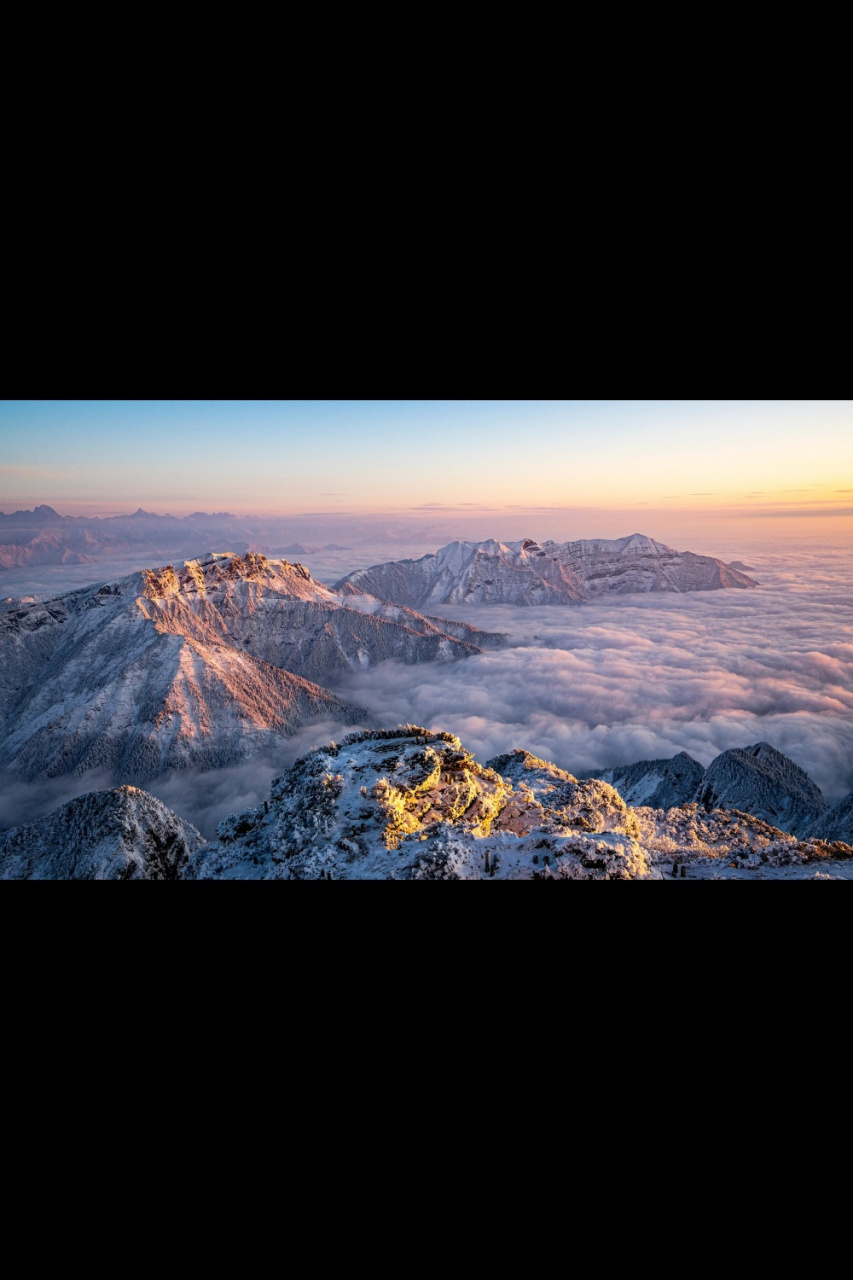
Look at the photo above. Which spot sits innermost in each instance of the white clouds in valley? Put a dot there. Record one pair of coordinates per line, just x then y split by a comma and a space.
648, 676
202, 797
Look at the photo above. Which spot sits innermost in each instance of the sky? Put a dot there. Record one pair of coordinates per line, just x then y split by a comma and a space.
492, 459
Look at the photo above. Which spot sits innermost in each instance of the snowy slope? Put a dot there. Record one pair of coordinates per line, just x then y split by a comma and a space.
410, 804
527, 573
836, 823
728, 845
657, 784
762, 781
202, 664
106, 835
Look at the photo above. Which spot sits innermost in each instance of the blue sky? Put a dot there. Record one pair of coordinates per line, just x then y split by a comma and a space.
397, 456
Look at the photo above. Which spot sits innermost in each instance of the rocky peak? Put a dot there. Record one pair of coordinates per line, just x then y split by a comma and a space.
212, 572
411, 803
762, 781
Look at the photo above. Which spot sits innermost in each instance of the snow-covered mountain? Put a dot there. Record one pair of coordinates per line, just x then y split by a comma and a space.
762, 781
758, 780
527, 573
200, 664
657, 784
124, 834
411, 804
835, 823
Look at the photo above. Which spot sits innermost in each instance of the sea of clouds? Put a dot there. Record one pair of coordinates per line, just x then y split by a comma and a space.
646, 676
634, 677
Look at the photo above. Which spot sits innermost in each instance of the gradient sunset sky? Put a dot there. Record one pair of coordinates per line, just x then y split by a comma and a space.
407, 456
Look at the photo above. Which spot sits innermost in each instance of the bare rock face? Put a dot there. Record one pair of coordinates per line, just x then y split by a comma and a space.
124, 834
530, 573
199, 664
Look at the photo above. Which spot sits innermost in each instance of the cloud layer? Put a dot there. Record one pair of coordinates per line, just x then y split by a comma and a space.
647, 676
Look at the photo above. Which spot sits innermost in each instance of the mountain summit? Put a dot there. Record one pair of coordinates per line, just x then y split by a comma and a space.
553, 573
197, 664
758, 780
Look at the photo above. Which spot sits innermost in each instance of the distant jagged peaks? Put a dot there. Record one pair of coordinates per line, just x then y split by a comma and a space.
550, 573
39, 515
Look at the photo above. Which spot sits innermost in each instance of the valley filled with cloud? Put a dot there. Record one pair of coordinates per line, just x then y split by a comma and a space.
648, 676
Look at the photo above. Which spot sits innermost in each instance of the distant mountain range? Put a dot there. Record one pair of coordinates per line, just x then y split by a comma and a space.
414, 804
201, 664
44, 537
553, 573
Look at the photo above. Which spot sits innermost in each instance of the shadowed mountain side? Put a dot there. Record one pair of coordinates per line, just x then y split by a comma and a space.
836, 824
658, 784
317, 640
762, 781
124, 834
756, 780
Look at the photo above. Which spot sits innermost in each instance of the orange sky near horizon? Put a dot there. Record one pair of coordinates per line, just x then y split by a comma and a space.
415, 459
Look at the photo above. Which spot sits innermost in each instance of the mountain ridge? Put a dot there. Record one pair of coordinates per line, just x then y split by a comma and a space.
528, 573
758, 780
411, 803
195, 665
